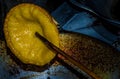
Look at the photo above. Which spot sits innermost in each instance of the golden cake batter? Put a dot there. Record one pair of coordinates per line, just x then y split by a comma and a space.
20, 26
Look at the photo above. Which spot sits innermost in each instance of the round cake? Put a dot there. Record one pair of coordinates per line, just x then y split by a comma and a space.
20, 25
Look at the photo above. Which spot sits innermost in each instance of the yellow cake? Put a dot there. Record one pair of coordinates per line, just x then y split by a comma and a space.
21, 23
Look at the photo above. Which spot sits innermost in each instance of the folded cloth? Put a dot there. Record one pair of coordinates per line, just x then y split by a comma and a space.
83, 22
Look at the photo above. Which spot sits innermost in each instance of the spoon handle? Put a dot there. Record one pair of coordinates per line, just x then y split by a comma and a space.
59, 51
